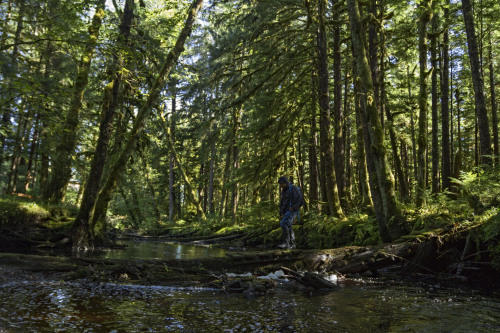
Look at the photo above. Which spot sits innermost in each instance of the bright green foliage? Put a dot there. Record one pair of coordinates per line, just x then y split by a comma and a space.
21, 212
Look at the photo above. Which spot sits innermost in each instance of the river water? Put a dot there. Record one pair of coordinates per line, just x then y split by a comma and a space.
360, 305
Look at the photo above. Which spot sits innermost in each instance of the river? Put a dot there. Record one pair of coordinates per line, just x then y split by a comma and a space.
360, 305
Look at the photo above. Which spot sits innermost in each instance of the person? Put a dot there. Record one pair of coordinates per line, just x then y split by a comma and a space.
289, 207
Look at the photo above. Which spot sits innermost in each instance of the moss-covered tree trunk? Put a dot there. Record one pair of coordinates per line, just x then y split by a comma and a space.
477, 83
338, 112
445, 111
364, 186
62, 161
145, 110
384, 182
211, 177
425, 18
235, 191
172, 215
313, 154
325, 128
83, 226
434, 106
494, 108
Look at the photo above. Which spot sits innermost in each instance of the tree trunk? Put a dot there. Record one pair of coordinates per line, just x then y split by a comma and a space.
83, 233
144, 112
313, 144
90, 212
494, 111
364, 186
189, 189
383, 180
226, 175
434, 112
457, 165
412, 125
373, 47
425, 18
211, 178
477, 82
235, 162
171, 165
338, 113
61, 163
325, 130
445, 114
16, 158
30, 173
6, 110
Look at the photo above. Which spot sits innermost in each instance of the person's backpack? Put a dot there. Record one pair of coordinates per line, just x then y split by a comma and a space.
301, 200
300, 193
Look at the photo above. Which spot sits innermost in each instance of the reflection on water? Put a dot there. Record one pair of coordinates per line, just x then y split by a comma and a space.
89, 307
35, 305
160, 250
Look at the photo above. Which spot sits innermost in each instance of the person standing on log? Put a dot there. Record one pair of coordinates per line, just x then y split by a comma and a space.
290, 200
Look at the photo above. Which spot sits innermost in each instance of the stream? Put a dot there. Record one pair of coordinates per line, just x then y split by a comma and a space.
360, 305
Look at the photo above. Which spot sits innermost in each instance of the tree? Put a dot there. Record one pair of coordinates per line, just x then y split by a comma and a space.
62, 161
477, 82
445, 113
83, 229
424, 19
325, 131
382, 182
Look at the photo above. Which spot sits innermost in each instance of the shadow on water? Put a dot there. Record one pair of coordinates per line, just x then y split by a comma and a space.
37, 305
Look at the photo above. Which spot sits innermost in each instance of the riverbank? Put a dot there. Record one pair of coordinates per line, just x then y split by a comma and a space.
444, 244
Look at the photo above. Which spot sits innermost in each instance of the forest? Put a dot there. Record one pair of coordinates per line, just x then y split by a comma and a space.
148, 116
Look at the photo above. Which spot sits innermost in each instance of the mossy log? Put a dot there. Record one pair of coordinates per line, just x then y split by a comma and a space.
345, 260
408, 257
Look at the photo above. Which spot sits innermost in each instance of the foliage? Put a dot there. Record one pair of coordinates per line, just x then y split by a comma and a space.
18, 212
491, 236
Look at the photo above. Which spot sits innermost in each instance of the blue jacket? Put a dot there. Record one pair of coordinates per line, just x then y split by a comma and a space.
289, 194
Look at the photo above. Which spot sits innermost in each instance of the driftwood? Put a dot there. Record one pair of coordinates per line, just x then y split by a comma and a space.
310, 279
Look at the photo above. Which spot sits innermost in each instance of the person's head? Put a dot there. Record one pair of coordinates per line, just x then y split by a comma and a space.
283, 181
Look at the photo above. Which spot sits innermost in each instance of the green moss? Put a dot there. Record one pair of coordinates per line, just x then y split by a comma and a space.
16, 212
